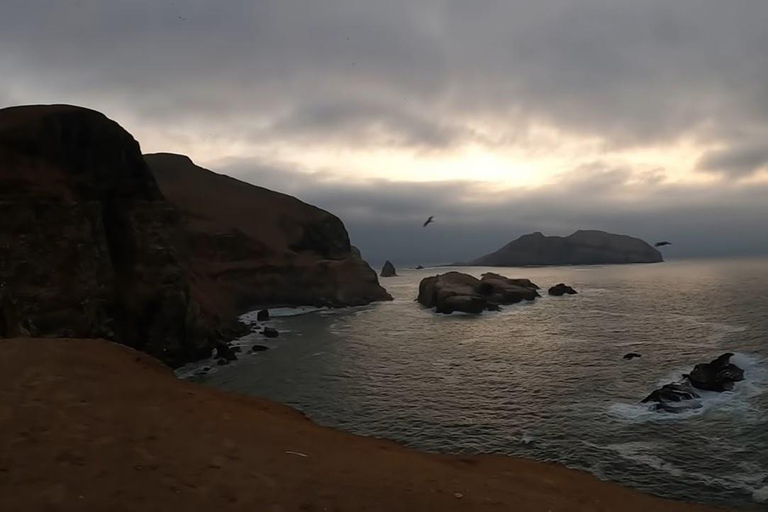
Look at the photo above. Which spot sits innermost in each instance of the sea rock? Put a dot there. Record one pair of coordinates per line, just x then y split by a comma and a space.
270, 332
673, 392
503, 290
259, 348
455, 291
419, 267
632, 355
224, 351
561, 289
87, 240
262, 315
250, 246
222, 362
584, 247
717, 375
388, 270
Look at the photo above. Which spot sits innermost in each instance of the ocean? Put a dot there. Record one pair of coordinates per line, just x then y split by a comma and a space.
544, 380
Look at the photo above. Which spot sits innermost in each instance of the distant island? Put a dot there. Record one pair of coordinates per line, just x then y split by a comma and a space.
584, 247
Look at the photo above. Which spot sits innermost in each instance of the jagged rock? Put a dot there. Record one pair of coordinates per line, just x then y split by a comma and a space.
388, 270
269, 332
561, 289
262, 315
717, 375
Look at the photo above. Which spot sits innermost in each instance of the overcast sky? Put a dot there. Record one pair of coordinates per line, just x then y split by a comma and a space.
499, 117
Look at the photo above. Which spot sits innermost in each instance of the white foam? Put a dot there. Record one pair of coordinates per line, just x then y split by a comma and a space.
760, 495
250, 317
638, 452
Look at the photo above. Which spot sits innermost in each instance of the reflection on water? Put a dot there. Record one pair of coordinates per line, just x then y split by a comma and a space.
546, 379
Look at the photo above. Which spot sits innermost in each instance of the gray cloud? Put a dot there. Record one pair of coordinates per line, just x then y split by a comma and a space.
384, 218
425, 73
737, 161
630, 72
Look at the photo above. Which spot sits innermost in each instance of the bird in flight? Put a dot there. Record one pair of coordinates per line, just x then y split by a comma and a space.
430, 220
662, 244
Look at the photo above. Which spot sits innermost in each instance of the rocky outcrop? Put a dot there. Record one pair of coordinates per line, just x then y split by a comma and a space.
718, 375
248, 246
561, 289
455, 291
388, 270
586, 247
88, 241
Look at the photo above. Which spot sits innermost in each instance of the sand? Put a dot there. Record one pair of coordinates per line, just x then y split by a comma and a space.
88, 425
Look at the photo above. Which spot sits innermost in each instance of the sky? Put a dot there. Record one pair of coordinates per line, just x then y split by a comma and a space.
498, 117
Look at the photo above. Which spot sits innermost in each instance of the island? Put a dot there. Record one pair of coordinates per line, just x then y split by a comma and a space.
584, 247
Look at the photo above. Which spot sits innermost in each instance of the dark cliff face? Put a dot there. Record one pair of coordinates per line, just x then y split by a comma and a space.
248, 246
88, 241
585, 247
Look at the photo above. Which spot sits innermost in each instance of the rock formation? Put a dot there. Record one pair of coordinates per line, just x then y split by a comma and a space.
88, 242
454, 291
90, 247
561, 289
388, 270
581, 248
718, 375
248, 246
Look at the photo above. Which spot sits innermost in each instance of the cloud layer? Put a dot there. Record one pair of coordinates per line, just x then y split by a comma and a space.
654, 114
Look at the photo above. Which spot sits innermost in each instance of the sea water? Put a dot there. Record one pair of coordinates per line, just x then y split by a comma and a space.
546, 379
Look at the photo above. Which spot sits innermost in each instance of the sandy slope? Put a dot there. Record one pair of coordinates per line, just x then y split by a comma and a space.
94, 426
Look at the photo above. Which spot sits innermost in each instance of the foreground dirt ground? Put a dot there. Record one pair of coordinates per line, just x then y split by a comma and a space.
88, 425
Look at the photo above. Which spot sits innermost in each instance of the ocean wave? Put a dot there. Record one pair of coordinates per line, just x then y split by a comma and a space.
647, 454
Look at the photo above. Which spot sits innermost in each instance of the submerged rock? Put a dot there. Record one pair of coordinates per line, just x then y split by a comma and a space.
388, 270
632, 355
455, 291
259, 348
270, 332
561, 289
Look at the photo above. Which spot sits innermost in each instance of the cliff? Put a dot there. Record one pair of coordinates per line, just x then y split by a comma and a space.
249, 246
587, 247
88, 242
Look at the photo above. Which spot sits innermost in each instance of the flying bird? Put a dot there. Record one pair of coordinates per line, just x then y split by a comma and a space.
430, 220
662, 244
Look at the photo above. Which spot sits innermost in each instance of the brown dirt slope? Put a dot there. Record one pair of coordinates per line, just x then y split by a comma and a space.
92, 425
249, 246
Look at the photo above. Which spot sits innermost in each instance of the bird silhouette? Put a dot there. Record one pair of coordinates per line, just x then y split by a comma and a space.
662, 244
430, 220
